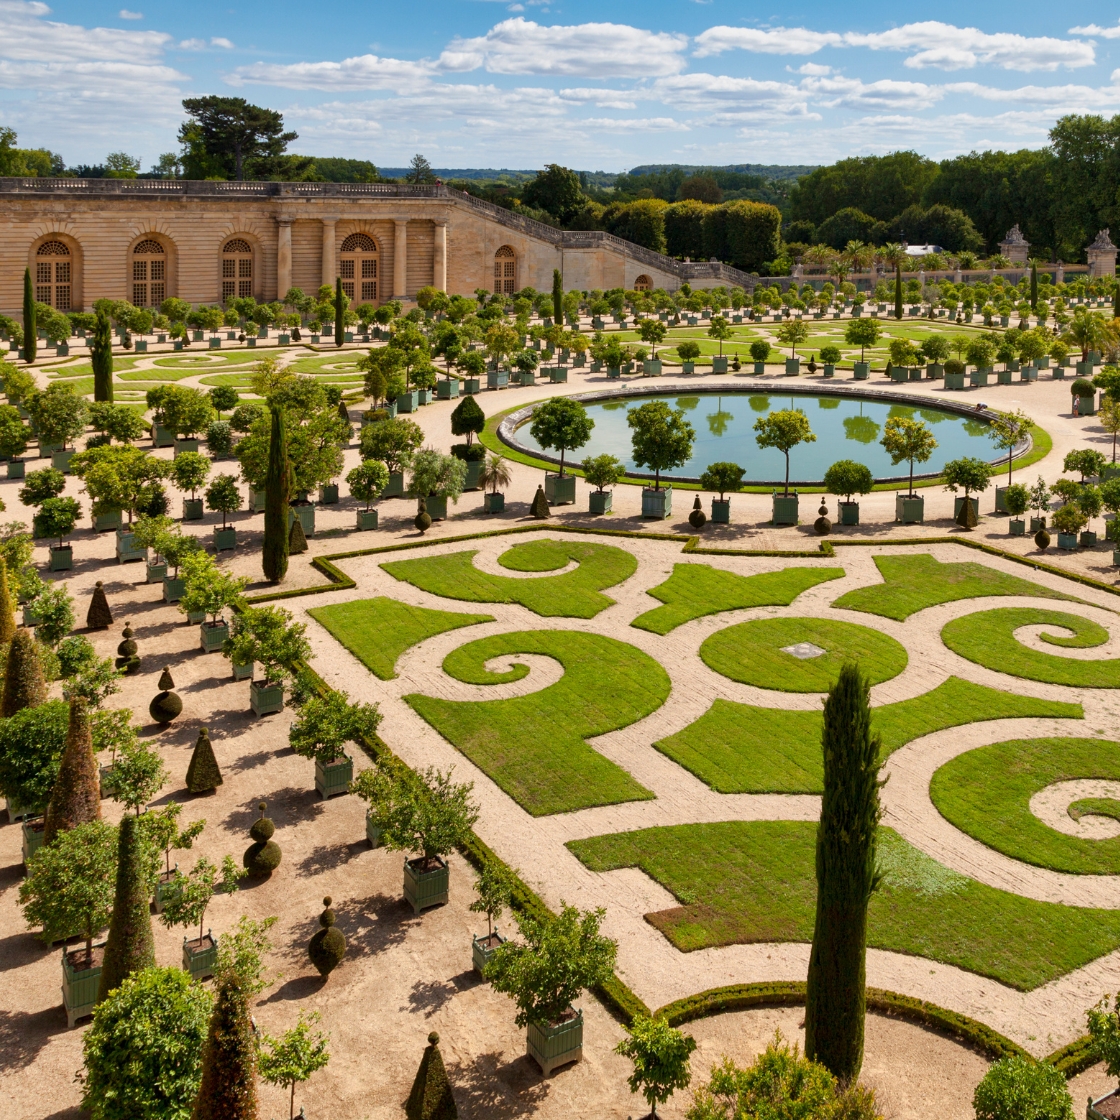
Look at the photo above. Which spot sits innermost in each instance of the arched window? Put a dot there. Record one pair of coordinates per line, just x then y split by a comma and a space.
505, 271
643, 284
237, 268
149, 273
54, 275
357, 265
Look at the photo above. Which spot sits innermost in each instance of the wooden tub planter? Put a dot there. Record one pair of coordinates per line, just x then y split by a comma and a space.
437, 507
192, 509
1017, 527
212, 635
80, 981
366, 519
257, 501
265, 698
173, 589
328, 494
103, 522
721, 511
657, 503
1067, 540
1094, 1111
183, 445
861, 371
560, 491
224, 538
373, 831
128, 549
17, 812
1088, 538
164, 889
32, 837
423, 886
62, 558
200, 956
719, 365
60, 460
156, 573
483, 950
1037, 524
958, 505
333, 778
447, 390
552, 1045
305, 511
493, 503
849, 513
105, 780
243, 672
16, 468
784, 511
599, 501
474, 469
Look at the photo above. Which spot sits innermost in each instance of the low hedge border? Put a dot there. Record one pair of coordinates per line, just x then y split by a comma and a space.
1074, 1058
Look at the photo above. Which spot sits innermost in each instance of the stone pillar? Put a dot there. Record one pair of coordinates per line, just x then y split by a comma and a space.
400, 259
1060, 275
283, 257
439, 255
330, 265
1101, 256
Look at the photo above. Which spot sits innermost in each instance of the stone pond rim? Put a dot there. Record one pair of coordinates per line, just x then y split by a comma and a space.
507, 429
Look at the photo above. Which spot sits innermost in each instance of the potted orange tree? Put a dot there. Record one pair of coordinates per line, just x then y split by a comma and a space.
185, 904
326, 723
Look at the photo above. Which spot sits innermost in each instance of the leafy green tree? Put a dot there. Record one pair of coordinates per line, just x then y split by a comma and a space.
1087, 461
277, 495
847, 477
908, 440
1007, 431
368, 480
327, 723
653, 331
561, 424
138, 775
720, 330
419, 170
1018, 1088
784, 430
660, 1055
142, 1055
557, 190
967, 474
229, 136
268, 636
392, 442
292, 1059
494, 886
189, 470
661, 438
14, 434
862, 333
721, 477
188, 896
223, 496
434, 816
186, 411
59, 413
467, 419
58, 516
689, 350
846, 878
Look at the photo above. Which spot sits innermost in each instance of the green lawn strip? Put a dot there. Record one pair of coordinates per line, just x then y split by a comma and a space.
986, 638
377, 631
83, 386
534, 746
84, 369
739, 748
694, 590
912, 583
744, 882
986, 793
334, 363
153, 374
206, 359
1094, 807
575, 594
753, 653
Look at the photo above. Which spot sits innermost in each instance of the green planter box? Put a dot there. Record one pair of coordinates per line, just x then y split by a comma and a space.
224, 538
560, 491
1067, 540
483, 950
164, 889
1085, 406
493, 503
657, 503
652, 367
558, 375
305, 511
934, 371
526, 377
553, 1045
243, 672
212, 636
614, 373
721, 511
19, 812
328, 494
448, 389
161, 437
103, 522
32, 832
954, 381
900, 373
425, 888
79, 985
474, 469
1028, 373
599, 501
849, 513
16, 468
915, 373
373, 831
719, 364
688, 367
1016, 527
1059, 374
1003, 377
265, 698
437, 508
497, 379
173, 589
784, 509
196, 617
959, 502
60, 460
333, 778
155, 573
1001, 500
472, 385
395, 486
759, 368
829, 369
424, 396
182, 445
861, 371
215, 343
793, 367
910, 509
1037, 523
199, 960
192, 509
62, 558
257, 501
408, 402
367, 519
1088, 538
978, 378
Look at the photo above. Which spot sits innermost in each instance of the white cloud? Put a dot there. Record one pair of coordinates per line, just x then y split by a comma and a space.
1100, 32
645, 124
218, 41
520, 46
26, 35
814, 69
1058, 99
704, 93
777, 40
124, 13
192, 44
363, 72
602, 98
851, 93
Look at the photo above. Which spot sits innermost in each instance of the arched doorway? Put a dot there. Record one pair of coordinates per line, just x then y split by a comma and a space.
237, 268
54, 275
149, 273
643, 284
357, 265
505, 271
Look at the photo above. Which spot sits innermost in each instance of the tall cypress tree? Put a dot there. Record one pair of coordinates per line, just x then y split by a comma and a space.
1116, 301
30, 329
24, 684
275, 551
7, 613
338, 311
130, 946
557, 297
1034, 287
76, 797
898, 291
846, 876
101, 358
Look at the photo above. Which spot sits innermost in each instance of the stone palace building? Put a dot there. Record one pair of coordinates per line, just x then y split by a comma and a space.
143, 240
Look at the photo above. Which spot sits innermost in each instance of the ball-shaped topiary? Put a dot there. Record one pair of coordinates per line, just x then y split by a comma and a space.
167, 705
1042, 539
328, 945
697, 517
423, 520
822, 526
127, 657
262, 857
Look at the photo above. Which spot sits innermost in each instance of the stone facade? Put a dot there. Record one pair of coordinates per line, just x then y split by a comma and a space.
1102, 255
1015, 247
144, 240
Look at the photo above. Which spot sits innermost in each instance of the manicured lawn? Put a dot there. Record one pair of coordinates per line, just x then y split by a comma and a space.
743, 882
987, 638
575, 594
1094, 806
156, 374
912, 583
377, 631
753, 653
332, 363
207, 359
739, 748
534, 746
986, 793
694, 590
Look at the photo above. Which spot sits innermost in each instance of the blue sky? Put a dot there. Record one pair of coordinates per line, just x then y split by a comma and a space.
518, 83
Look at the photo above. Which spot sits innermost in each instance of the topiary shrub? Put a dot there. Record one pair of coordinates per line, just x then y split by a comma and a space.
697, 517
203, 773
297, 538
130, 946
99, 616
539, 509
24, 686
76, 797
167, 705
431, 1097
328, 945
262, 857
423, 520
1018, 1088
127, 659
1042, 539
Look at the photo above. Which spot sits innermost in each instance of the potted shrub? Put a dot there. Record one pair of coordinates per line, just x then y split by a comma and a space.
223, 496
722, 477
1040, 503
189, 471
967, 474
38, 486
493, 478
382, 791
1091, 503
435, 478
60, 416
14, 438
862, 333
954, 374
830, 356
267, 636
911, 441
1104, 1030
845, 478
175, 546
1017, 500
720, 330
560, 956
494, 886
562, 424
392, 442
161, 828
602, 471
473, 365
208, 590
31, 744
980, 353
325, 724
784, 430
186, 902
1083, 396
149, 533
469, 420
935, 349
760, 351
186, 412
57, 518
1007, 431
433, 817
688, 351
661, 438
660, 1055
366, 483
526, 363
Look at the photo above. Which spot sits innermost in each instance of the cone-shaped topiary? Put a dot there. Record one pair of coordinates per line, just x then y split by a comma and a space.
697, 516
423, 520
297, 538
262, 857
130, 946
328, 945
167, 704
127, 658
229, 1059
539, 508
274, 556
431, 1097
966, 515
1042, 539
7, 615
24, 686
76, 797
99, 617
203, 774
